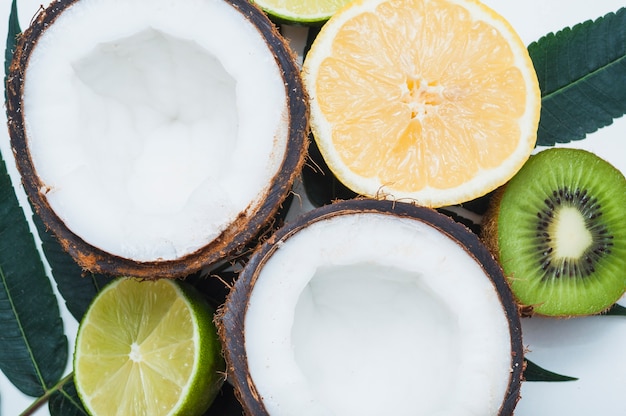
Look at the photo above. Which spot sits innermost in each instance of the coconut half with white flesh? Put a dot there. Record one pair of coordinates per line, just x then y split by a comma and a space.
368, 307
155, 137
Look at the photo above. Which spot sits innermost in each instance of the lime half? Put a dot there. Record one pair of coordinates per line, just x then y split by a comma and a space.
147, 348
301, 11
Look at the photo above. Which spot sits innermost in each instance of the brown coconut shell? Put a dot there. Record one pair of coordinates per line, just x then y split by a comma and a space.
237, 235
231, 316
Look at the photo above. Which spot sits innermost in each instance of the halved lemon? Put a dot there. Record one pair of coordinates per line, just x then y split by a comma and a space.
434, 101
147, 348
301, 11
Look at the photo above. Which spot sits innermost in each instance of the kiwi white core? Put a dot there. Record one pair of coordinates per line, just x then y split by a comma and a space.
153, 124
370, 314
570, 233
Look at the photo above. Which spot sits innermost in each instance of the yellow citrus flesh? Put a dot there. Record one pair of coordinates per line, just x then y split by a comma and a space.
434, 101
301, 11
147, 348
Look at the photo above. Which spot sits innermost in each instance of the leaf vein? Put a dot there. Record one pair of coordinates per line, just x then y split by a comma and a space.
22, 332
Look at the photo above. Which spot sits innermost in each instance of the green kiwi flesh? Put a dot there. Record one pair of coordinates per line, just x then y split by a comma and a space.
558, 229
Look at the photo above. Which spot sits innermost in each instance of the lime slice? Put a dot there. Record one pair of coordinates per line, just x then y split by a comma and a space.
301, 11
147, 348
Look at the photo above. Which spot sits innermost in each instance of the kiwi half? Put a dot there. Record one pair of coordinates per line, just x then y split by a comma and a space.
559, 230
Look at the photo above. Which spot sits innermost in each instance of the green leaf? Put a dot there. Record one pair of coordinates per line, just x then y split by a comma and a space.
33, 346
14, 31
533, 372
65, 401
616, 310
582, 76
77, 288
225, 403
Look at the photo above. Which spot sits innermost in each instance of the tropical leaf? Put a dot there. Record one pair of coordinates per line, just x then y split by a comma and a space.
582, 76
77, 287
33, 346
14, 31
225, 403
616, 310
533, 372
65, 401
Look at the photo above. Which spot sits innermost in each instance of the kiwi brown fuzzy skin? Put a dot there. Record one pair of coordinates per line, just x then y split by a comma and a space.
240, 233
489, 236
588, 207
489, 223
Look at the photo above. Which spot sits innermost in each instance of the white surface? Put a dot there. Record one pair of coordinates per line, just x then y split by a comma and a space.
588, 348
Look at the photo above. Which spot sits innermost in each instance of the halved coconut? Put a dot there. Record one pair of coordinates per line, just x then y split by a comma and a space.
371, 307
155, 137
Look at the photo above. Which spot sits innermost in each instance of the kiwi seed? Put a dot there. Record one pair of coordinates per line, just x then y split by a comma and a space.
590, 209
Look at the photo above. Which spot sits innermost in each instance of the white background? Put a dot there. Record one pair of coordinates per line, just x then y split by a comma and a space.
591, 349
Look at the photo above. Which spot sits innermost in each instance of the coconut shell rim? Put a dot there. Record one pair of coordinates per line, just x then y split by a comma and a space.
230, 319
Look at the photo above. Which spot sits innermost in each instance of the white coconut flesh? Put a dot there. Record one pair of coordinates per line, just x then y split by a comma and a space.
153, 124
368, 314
